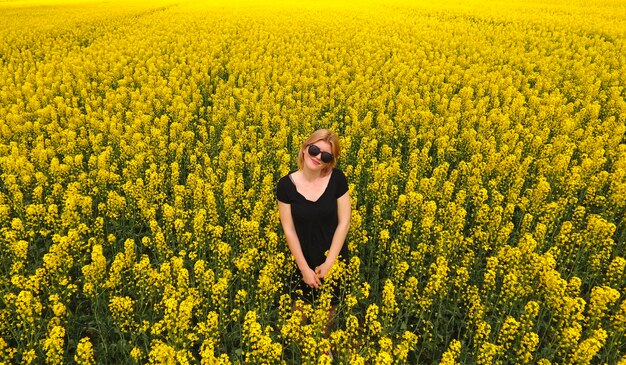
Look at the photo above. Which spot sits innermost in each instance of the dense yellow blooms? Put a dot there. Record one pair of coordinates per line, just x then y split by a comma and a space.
84, 352
53, 345
449, 357
601, 299
162, 353
589, 348
483, 143
122, 311
95, 272
259, 346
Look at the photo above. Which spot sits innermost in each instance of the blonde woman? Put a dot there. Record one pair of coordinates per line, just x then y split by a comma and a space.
314, 208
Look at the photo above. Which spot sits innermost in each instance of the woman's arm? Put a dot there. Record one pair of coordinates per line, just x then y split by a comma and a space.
293, 242
343, 215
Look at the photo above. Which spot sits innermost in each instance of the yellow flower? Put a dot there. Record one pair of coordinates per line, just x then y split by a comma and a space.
527, 347
161, 353
95, 272
28, 306
490, 274
488, 354
259, 346
136, 354
84, 352
449, 357
371, 320
508, 332
29, 356
122, 309
6, 352
58, 308
588, 348
408, 342
389, 304
383, 358
615, 272
350, 301
269, 281
54, 345
602, 297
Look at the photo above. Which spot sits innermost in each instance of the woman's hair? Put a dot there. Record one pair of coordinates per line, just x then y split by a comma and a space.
321, 135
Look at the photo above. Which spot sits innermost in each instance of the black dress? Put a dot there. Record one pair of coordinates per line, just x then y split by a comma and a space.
315, 221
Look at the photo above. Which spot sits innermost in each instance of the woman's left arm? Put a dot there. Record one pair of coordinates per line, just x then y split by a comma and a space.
339, 238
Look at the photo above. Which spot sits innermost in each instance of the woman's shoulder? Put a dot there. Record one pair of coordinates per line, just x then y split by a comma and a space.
284, 189
340, 181
338, 173
286, 180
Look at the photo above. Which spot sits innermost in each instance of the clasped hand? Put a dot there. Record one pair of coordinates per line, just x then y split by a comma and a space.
313, 278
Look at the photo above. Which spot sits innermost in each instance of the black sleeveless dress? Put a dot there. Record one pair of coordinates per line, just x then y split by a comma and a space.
315, 223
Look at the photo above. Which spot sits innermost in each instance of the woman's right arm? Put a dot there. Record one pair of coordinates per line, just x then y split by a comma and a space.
286, 220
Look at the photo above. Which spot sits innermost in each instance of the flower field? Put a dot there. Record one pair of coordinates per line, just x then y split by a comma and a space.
484, 144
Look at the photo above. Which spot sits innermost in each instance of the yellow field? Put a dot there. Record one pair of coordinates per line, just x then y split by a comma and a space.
484, 143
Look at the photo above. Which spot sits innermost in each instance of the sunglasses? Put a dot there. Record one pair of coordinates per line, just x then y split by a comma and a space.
326, 156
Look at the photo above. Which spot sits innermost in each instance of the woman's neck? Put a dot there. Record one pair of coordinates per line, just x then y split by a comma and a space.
311, 175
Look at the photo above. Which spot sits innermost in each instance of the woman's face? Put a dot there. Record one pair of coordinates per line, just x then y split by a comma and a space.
315, 162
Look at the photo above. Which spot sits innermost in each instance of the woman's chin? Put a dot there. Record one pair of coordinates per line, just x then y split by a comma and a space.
314, 165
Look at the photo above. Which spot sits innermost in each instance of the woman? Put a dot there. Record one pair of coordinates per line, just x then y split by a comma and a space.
314, 208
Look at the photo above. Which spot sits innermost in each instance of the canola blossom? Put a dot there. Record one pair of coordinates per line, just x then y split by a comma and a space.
484, 143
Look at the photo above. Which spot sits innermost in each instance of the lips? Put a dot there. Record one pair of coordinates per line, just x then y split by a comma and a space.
315, 161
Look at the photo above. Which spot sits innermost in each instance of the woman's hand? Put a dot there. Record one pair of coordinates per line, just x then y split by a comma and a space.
322, 270
310, 278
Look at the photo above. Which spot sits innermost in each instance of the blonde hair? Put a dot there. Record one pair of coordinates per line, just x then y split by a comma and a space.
321, 135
